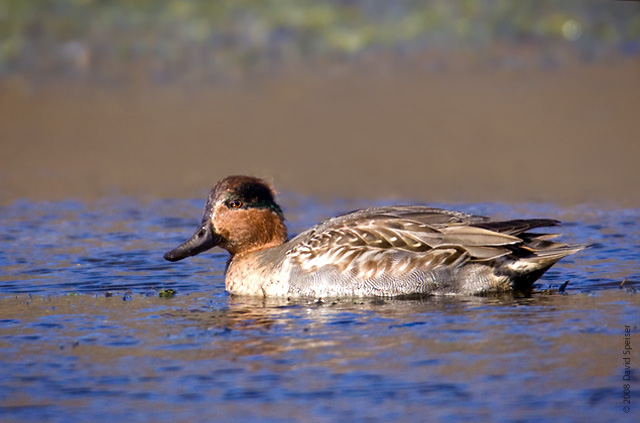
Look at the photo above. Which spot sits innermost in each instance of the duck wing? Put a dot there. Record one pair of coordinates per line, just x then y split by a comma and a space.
397, 240
423, 214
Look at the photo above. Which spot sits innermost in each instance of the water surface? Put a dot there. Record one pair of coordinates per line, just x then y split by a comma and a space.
84, 335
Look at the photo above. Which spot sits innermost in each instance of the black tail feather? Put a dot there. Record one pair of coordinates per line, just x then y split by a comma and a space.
518, 226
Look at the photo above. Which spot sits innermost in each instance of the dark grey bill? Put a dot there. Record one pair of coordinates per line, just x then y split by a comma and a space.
203, 239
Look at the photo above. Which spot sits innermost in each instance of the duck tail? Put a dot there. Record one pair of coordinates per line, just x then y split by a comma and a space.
527, 269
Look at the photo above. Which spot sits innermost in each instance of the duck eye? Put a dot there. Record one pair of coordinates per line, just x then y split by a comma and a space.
236, 204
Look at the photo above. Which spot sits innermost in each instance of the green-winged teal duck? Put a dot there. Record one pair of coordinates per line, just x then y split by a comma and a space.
377, 251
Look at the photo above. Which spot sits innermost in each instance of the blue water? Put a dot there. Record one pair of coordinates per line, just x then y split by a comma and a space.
84, 335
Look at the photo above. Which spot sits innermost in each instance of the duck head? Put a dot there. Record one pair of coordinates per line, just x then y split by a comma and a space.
240, 215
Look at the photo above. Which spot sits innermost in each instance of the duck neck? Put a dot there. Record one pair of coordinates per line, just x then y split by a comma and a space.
265, 233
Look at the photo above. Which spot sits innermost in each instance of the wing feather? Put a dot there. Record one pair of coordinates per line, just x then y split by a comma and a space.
398, 240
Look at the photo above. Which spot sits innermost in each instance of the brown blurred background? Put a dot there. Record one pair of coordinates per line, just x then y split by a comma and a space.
426, 101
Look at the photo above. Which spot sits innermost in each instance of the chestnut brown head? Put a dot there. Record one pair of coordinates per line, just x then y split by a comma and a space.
240, 215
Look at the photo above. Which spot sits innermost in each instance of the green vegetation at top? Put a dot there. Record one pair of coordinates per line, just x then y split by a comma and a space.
165, 39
